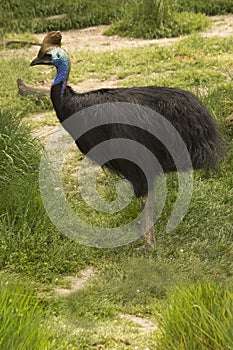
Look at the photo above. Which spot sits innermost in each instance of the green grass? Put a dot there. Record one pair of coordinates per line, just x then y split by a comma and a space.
156, 19
191, 62
22, 319
211, 8
19, 16
27, 37
9, 75
19, 160
30, 244
199, 317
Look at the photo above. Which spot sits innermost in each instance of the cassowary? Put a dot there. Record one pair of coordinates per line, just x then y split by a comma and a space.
182, 109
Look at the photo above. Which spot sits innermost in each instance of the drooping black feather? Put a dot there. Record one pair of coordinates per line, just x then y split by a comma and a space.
181, 108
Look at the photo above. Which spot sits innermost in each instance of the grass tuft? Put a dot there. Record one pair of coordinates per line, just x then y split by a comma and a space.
22, 320
211, 7
199, 317
19, 16
137, 18
156, 19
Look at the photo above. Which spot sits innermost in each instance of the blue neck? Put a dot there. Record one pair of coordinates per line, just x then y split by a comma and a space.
63, 70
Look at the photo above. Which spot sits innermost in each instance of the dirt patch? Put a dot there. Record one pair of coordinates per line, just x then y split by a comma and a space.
222, 26
93, 39
76, 283
145, 324
43, 132
93, 84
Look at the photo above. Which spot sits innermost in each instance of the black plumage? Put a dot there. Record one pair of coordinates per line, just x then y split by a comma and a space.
181, 108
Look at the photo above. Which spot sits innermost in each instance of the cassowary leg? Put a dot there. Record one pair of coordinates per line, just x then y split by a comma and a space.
147, 227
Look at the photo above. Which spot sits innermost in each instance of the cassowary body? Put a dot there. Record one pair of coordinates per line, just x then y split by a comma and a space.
182, 109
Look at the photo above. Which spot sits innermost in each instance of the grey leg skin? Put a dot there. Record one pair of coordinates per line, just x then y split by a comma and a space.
147, 227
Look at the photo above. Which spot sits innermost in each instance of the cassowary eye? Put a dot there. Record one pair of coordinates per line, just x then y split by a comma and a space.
58, 55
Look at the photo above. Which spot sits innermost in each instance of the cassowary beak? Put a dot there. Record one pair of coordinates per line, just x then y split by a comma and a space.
42, 59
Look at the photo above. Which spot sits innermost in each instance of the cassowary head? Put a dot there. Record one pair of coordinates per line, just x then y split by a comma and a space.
51, 52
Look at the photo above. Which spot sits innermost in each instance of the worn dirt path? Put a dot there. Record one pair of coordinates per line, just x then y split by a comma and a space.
93, 39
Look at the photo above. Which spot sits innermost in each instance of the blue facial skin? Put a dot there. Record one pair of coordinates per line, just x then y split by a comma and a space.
61, 61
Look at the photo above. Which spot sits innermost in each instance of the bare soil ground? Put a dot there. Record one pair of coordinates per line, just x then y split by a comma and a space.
76, 282
93, 39
222, 27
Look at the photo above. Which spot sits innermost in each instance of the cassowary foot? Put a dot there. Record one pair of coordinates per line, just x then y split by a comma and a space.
149, 238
